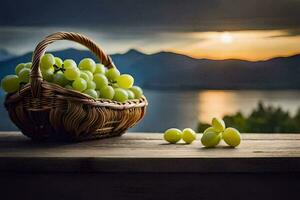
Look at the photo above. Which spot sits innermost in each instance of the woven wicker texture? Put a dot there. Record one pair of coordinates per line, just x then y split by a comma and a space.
46, 111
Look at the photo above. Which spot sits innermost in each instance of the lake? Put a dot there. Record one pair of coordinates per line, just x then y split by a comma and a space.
184, 109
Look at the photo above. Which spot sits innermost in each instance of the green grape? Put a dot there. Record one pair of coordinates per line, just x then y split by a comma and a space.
232, 137
100, 81
58, 62
125, 81
112, 74
188, 135
115, 85
107, 92
138, 92
91, 93
47, 61
10, 83
211, 138
99, 69
130, 94
98, 93
24, 75
69, 87
19, 67
60, 79
120, 95
72, 73
69, 63
48, 74
87, 64
84, 76
210, 129
28, 65
90, 74
79, 84
218, 124
173, 135
91, 85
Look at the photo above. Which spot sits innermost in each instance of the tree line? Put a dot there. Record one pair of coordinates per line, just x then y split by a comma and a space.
263, 119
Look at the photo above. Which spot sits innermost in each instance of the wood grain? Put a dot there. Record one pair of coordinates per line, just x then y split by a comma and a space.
143, 166
145, 152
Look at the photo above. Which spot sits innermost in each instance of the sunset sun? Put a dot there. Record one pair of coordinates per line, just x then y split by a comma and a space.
226, 38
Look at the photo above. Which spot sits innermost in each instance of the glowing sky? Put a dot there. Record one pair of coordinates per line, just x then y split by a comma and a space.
215, 29
248, 45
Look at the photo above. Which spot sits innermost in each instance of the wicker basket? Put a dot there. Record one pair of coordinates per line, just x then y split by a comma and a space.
46, 111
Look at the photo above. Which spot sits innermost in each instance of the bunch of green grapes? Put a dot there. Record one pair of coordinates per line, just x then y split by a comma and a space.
12, 83
210, 138
218, 131
88, 77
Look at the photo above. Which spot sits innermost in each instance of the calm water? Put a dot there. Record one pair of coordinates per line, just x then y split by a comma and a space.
184, 109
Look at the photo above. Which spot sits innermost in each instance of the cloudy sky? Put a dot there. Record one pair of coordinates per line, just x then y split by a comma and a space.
218, 29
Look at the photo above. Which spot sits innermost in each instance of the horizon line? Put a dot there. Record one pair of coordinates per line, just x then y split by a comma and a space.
163, 51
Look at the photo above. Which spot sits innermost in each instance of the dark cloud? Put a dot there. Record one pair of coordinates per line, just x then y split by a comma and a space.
177, 15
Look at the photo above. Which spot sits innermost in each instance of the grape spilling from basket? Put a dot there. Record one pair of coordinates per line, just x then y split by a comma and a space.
88, 77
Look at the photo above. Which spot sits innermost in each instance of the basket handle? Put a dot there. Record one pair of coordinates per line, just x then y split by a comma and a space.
35, 74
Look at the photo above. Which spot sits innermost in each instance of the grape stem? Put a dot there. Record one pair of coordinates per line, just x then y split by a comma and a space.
57, 69
110, 83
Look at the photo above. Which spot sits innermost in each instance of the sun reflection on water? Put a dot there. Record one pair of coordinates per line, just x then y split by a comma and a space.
215, 104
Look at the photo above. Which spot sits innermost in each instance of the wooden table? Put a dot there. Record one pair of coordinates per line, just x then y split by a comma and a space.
143, 166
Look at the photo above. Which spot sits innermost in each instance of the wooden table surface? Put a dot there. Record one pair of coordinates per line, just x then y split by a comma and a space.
145, 152
143, 166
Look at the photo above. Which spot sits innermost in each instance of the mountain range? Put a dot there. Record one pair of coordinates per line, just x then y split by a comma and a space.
167, 70
4, 55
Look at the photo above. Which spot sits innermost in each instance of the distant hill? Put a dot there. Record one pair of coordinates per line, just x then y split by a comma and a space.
167, 70
4, 55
